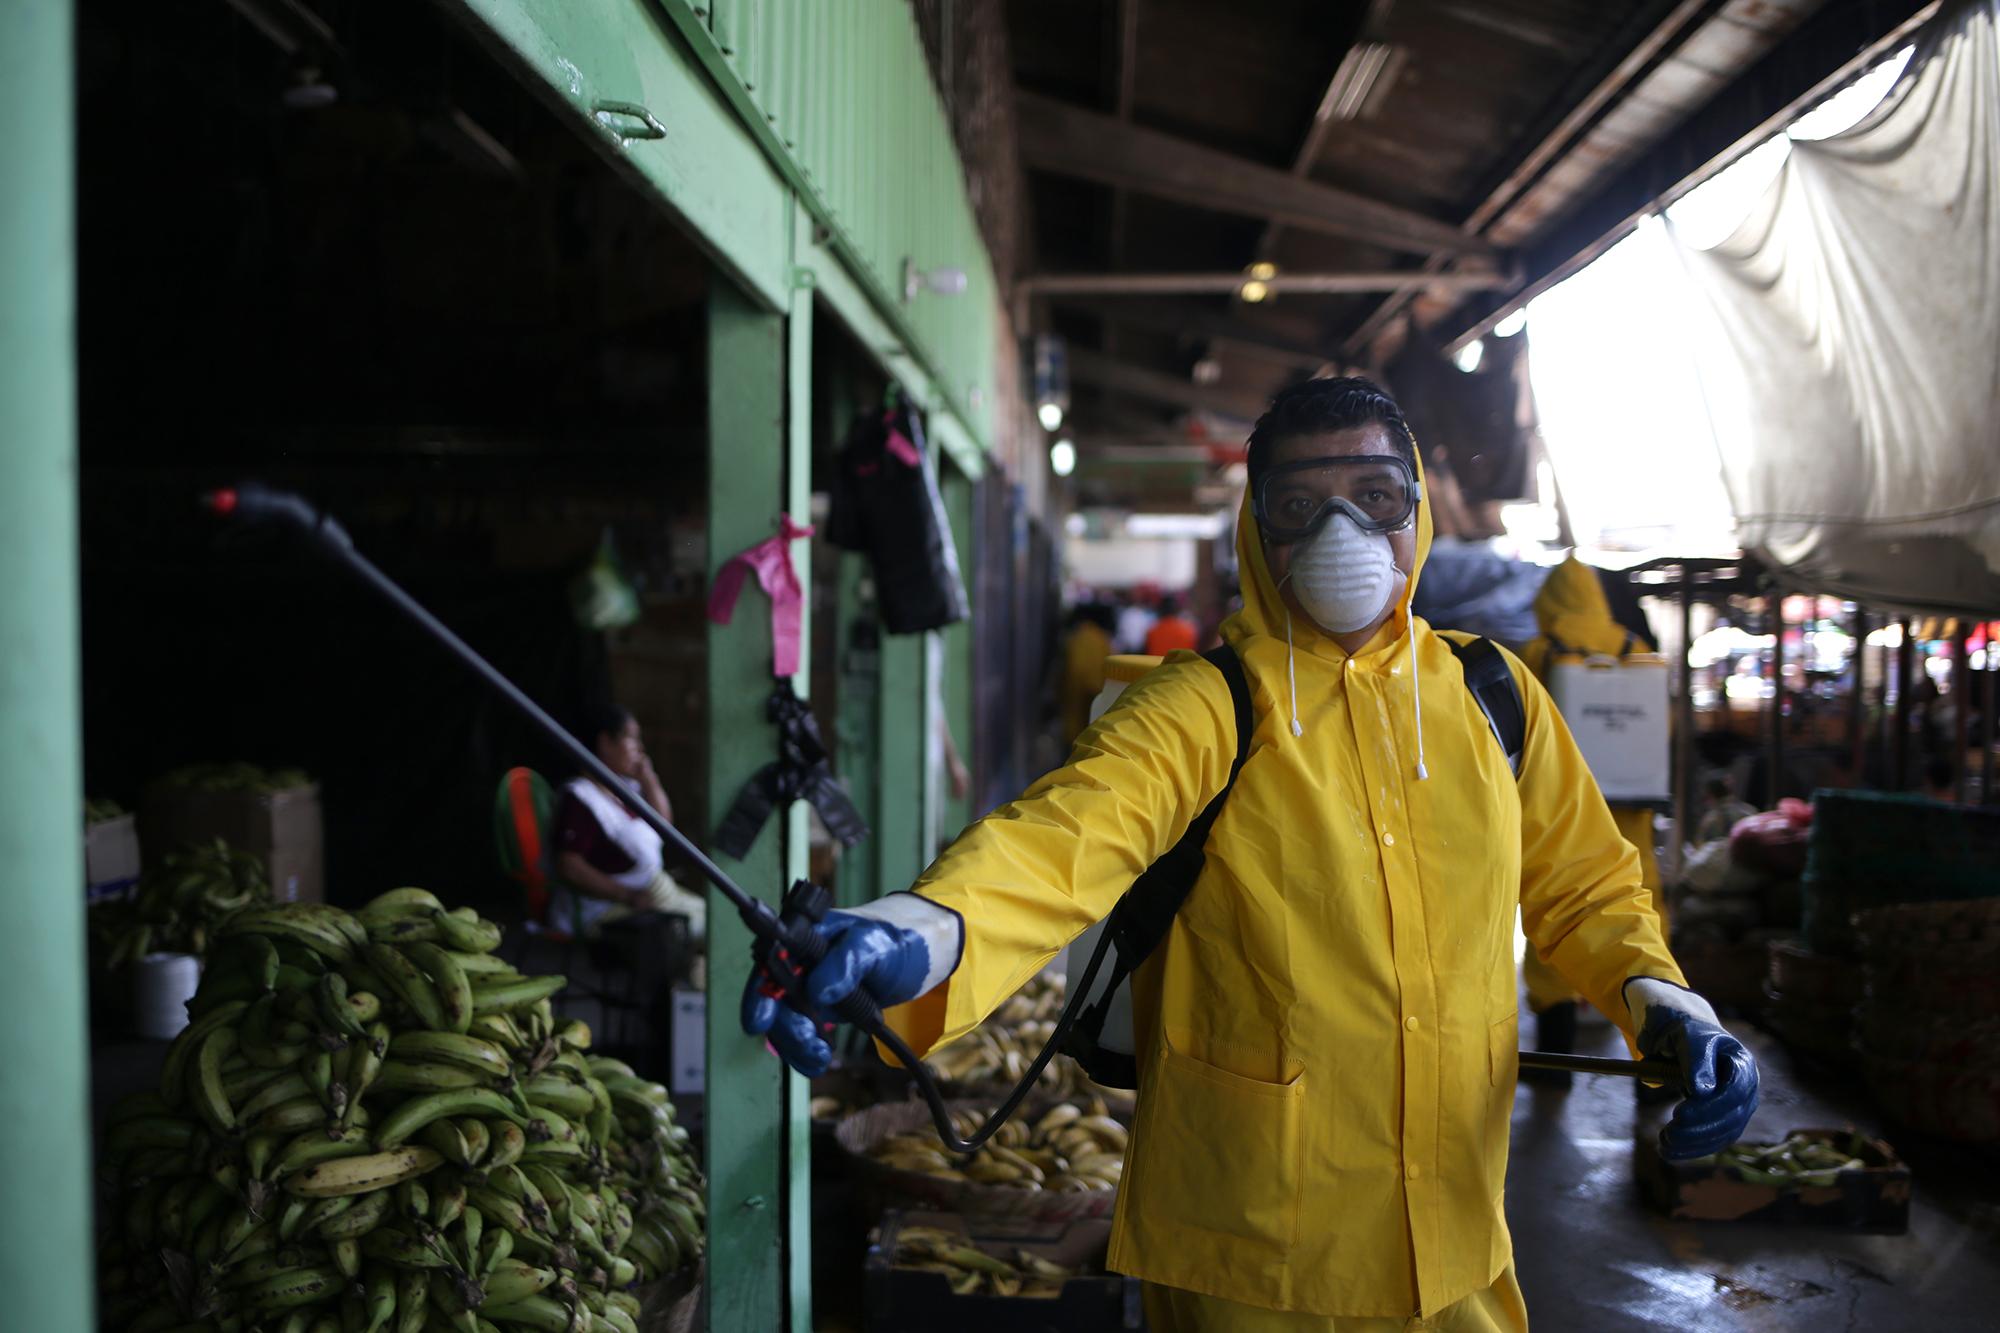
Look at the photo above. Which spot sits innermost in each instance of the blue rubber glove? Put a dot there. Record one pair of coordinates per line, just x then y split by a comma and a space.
1718, 1074
890, 961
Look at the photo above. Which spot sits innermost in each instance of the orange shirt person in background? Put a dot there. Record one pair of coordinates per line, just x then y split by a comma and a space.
1172, 630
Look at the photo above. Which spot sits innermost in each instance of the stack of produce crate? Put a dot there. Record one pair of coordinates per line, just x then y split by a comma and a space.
1809, 1000
1928, 1027
1871, 849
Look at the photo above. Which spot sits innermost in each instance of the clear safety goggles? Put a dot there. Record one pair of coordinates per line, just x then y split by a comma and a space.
1294, 500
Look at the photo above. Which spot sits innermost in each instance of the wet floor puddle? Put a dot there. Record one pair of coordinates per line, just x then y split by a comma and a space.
1675, 1294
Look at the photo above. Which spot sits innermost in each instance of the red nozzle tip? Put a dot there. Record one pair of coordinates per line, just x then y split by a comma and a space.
221, 503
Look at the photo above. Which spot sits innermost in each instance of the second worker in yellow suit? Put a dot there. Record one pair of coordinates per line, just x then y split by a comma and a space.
1577, 621
1327, 1058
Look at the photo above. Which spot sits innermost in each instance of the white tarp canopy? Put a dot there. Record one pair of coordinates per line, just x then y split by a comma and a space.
1847, 336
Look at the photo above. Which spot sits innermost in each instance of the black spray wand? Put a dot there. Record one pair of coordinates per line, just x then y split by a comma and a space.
786, 943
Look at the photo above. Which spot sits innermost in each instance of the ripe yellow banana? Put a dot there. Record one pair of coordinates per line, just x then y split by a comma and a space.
313, 1147
404, 1122
452, 1048
360, 1175
396, 1075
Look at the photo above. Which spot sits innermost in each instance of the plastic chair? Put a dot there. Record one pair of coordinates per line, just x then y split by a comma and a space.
524, 811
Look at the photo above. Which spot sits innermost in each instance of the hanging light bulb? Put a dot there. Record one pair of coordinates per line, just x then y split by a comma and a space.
1050, 415
1062, 458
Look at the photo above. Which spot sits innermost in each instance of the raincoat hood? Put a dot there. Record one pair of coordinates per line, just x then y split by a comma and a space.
1576, 616
1264, 610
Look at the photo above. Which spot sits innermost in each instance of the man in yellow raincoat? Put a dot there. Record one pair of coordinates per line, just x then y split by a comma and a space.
1327, 1036
1577, 621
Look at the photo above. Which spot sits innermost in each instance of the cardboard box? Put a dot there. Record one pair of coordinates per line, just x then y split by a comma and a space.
282, 829
110, 857
1873, 1198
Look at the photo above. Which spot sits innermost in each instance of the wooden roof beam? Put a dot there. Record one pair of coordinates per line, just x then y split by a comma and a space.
1192, 319
1069, 140
1223, 284
1092, 367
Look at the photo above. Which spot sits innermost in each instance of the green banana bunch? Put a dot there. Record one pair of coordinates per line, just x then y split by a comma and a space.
178, 904
238, 776
374, 1123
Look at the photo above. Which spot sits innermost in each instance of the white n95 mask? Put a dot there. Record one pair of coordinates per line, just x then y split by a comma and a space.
1343, 576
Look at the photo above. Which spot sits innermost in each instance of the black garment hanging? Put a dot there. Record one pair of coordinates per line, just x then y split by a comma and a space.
801, 770
886, 505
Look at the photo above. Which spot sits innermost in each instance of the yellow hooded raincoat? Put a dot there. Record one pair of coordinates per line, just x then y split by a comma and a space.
1576, 621
1327, 1036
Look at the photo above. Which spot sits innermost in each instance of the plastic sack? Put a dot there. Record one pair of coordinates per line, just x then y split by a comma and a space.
600, 596
1773, 842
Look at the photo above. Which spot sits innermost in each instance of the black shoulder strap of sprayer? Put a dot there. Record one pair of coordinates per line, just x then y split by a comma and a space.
1498, 694
1146, 912
1142, 917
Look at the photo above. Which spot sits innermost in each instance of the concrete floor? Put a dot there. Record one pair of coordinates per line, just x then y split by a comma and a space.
1593, 1259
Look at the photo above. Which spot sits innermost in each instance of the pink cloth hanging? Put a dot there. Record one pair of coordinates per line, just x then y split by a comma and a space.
771, 561
899, 444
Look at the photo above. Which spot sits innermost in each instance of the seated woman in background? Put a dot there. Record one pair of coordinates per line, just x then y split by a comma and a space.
608, 860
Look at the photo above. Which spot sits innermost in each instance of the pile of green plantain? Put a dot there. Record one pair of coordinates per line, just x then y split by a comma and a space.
373, 1124
177, 904
237, 776
1803, 1157
973, 1271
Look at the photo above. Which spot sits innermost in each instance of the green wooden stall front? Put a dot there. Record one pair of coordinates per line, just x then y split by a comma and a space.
803, 146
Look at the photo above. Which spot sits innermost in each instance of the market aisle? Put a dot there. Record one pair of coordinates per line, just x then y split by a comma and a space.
1593, 1259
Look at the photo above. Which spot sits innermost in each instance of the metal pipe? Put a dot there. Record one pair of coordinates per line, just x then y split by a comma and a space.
1297, 284
1774, 736
1653, 1071
1857, 699
1684, 795
1899, 739
1987, 796
1961, 711
45, 1234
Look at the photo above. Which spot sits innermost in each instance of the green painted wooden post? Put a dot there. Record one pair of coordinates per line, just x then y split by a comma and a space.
745, 1121
798, 843
958, 683
45, 1242
900, 756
